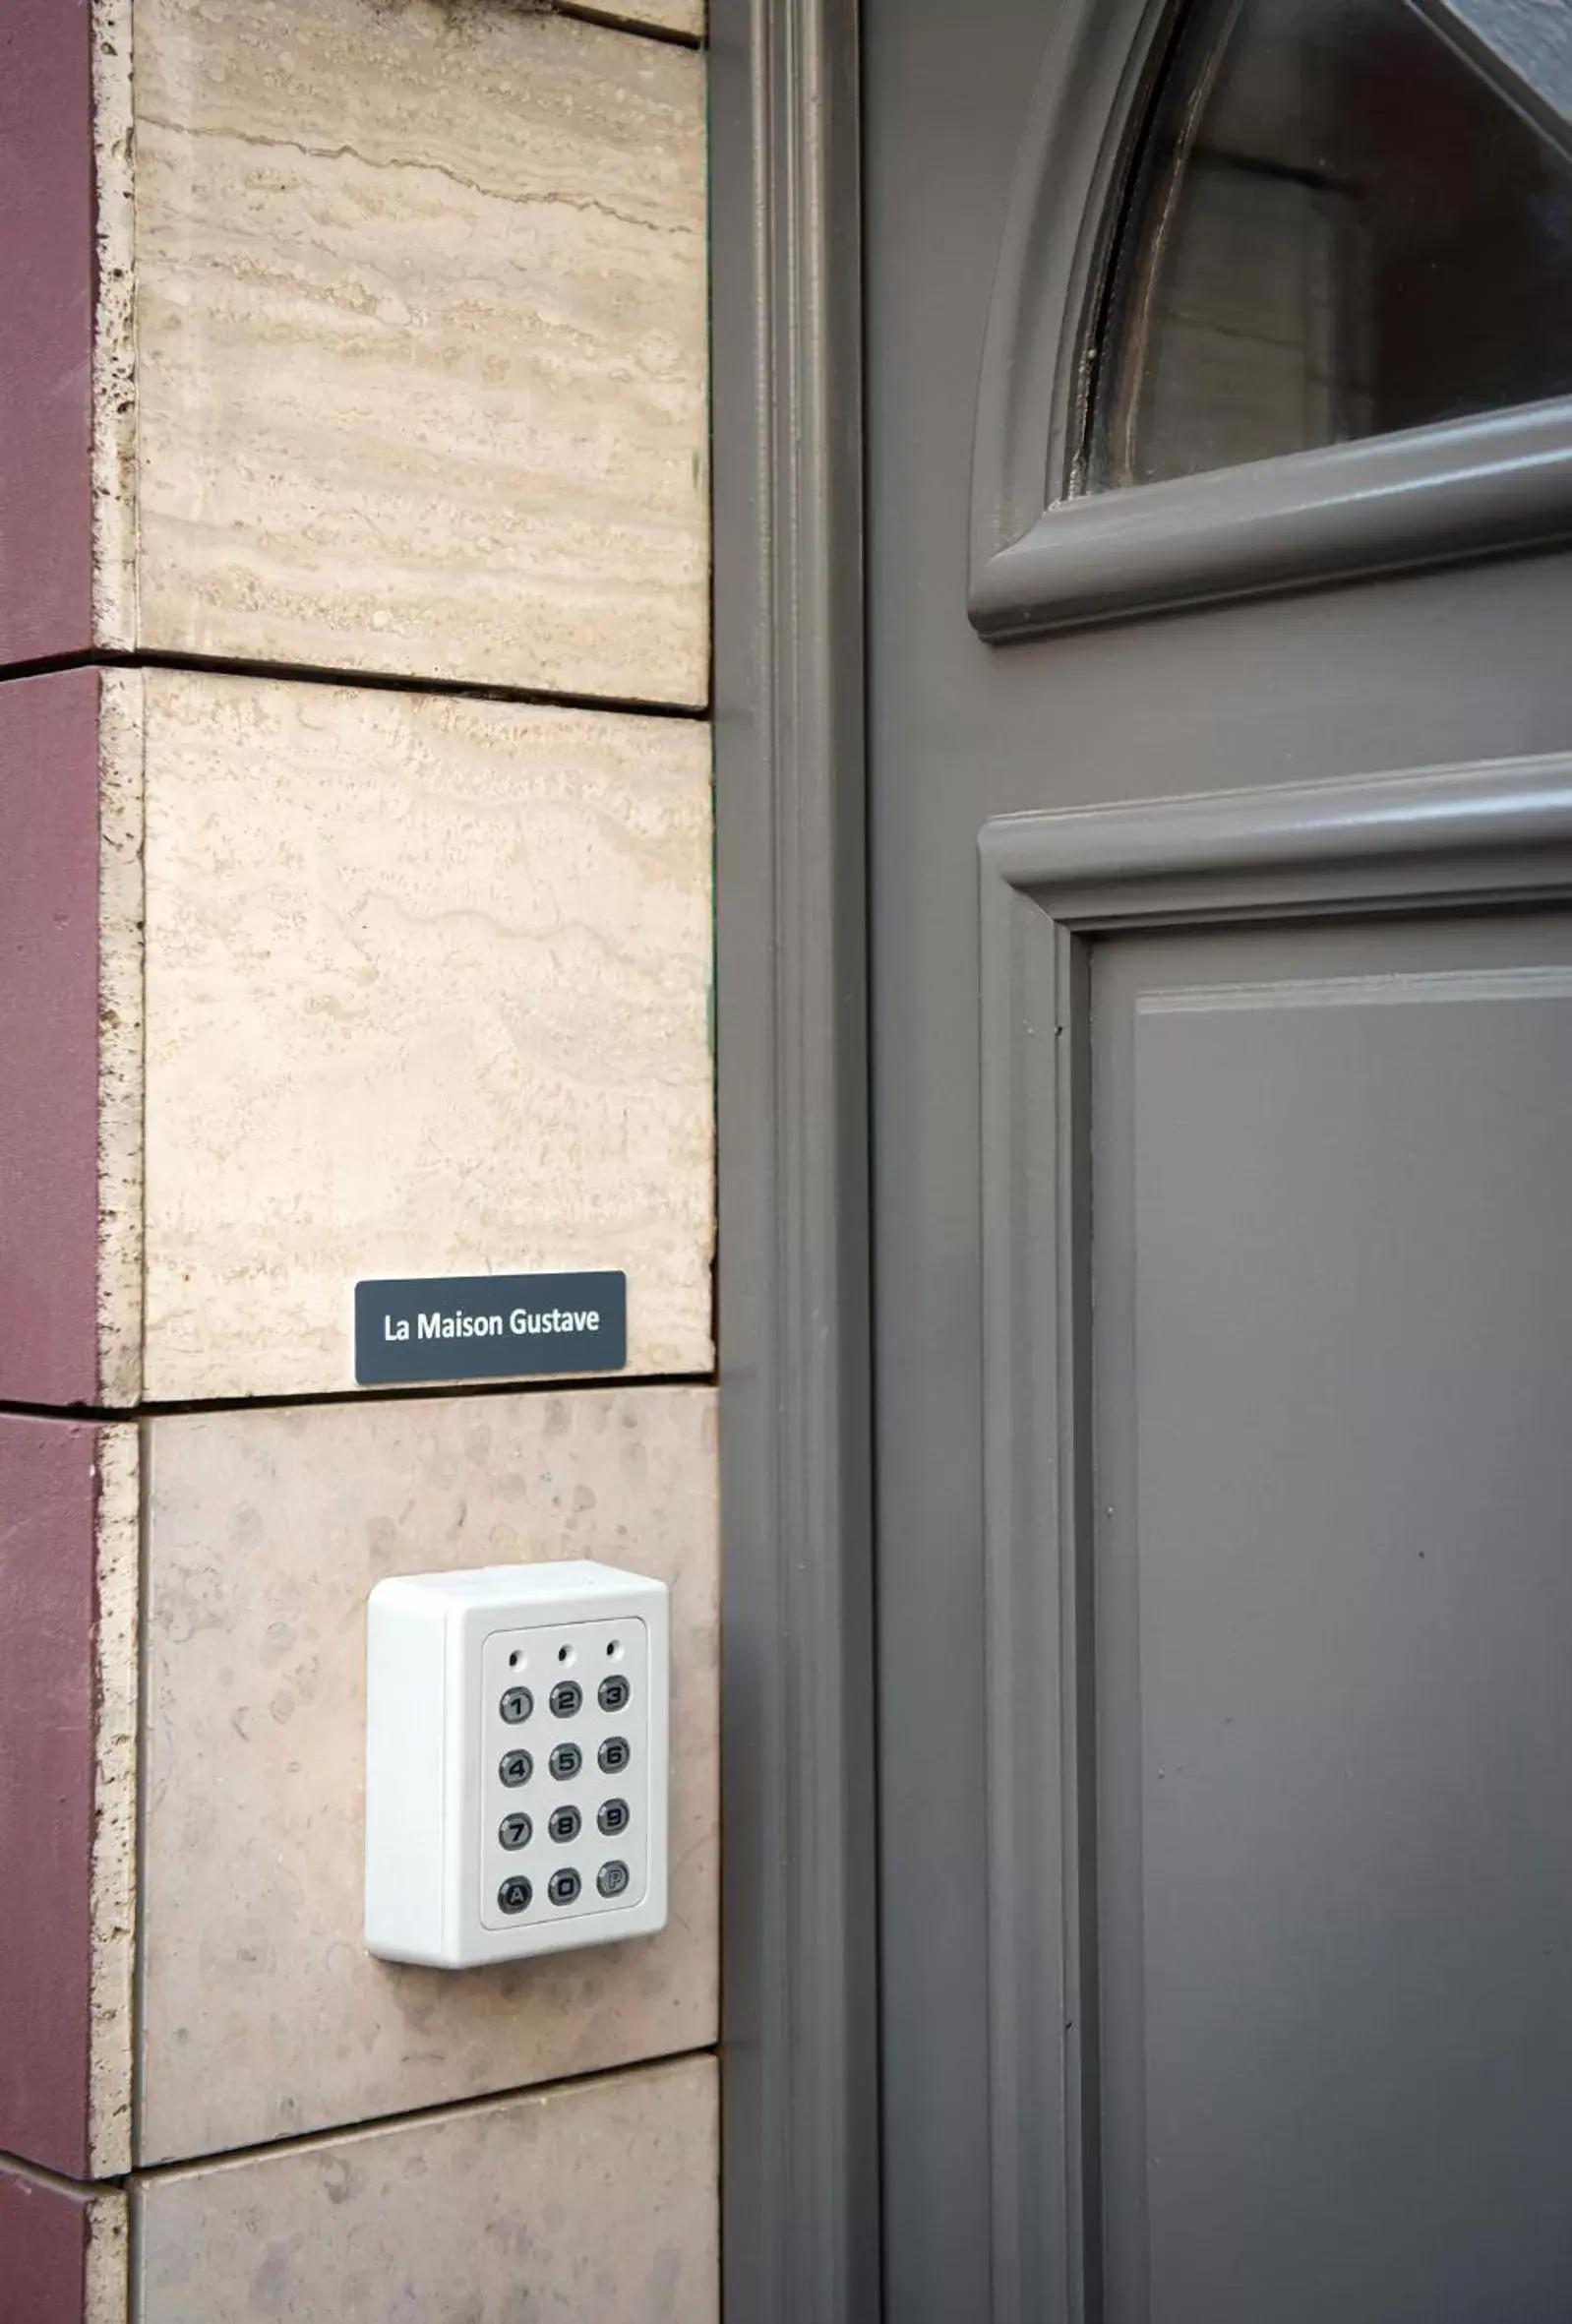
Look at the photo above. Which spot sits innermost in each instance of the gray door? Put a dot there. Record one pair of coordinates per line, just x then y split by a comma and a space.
1219, 449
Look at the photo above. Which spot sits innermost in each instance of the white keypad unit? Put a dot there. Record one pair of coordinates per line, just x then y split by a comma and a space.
516, 1726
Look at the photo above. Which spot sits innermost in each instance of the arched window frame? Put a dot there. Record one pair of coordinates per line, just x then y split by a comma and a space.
1045, 557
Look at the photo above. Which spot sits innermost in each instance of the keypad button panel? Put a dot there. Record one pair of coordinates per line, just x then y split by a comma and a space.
593, 1679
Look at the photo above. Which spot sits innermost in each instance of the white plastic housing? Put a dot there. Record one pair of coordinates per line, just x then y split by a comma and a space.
461, 1671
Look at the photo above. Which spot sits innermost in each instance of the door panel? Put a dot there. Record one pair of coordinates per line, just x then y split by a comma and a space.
1334, 1353
1429, 669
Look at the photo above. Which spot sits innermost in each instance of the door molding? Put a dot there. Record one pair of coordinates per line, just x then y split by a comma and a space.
1046, 555
1493, 834
800, 2189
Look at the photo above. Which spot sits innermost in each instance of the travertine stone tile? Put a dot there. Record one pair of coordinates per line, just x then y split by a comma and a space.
593, 2204
114, 328
426, 994
113, 1865
262, 2016
421, 342
106, 2274
120, 1051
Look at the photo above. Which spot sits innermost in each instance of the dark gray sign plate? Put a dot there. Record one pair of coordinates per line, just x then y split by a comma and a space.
440, 1328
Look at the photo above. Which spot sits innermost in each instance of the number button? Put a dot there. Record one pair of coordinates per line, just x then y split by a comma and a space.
563, 1887
614, 1816
563, 1824
516, 1705
517, 1768
614, 1693
515, 1831
567, 1698
615, 1754
566, 1761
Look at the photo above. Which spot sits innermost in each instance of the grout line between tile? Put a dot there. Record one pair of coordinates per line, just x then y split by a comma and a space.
134, 2309
616, 22
363, 2126
374, 681
89, 1415
18, 2167
374, 2125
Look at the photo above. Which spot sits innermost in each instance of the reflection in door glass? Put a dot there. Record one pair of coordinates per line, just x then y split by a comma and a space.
1349, 217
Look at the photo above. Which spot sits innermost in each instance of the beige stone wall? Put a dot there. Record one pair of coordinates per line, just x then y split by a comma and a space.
420, 353
402, 522
409, 339
261, 2016
426, 994
595, 2201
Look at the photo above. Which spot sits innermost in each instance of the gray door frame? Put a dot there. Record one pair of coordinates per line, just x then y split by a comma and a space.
800, 2153
800, 2082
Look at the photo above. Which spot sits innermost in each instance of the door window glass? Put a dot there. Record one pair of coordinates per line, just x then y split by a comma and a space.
1349, 217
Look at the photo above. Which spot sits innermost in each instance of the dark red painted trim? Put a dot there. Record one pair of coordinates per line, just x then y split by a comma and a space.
49, 1036
46, 320
43, 2252
47, 1686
